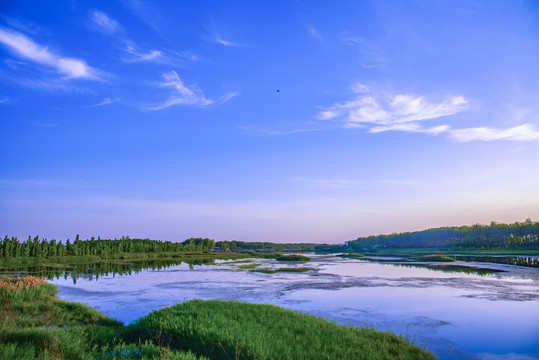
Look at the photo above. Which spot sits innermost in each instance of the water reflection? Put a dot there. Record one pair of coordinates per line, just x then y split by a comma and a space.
450, 268
95, 270
527, 261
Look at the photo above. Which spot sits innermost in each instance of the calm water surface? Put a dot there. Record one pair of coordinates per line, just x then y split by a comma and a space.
454, 315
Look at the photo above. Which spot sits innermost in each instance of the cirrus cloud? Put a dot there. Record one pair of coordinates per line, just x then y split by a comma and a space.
181, 95
104, 22
369, 108
26, 48
136, 56
381, 112
525, 132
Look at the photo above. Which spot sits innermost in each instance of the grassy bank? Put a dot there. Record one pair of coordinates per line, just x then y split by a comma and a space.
35, 324
228, 330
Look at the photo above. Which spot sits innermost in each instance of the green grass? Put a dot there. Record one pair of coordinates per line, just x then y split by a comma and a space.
264, 271
300, 270
248, 266
435, 258
35, 324
31, 302
293, 258
351, 256
234, 330
267, 255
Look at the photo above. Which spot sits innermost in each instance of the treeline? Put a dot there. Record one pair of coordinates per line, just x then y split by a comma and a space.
43, 248
263, 246
518, 235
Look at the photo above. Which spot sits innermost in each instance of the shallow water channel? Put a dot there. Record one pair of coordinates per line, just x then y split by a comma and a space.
453, 314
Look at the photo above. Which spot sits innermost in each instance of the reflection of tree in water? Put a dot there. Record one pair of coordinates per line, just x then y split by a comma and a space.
528, 261
453, 268
95, 270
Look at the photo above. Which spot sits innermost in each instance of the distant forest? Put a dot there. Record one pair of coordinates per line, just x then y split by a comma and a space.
43, 248
264, 246
518, 235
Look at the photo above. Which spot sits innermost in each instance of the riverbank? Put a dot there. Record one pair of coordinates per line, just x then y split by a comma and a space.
37, 325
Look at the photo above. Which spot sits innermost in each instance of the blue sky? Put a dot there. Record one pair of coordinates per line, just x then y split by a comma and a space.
283, 121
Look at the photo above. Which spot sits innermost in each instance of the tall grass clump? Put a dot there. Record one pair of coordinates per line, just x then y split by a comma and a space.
436, 258
32, 301
351, 256
293, 258
35, 324
234, 330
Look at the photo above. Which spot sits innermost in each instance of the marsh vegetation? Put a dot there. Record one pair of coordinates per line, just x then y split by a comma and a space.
293, 258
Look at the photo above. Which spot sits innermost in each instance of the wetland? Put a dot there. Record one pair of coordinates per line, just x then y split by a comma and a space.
456, 310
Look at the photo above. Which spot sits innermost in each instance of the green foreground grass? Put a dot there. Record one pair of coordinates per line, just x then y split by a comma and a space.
35, 324
234, 330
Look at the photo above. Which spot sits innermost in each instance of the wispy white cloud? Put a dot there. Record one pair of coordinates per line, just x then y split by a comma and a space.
49, 85
411, 127
219, 33
224, 42
525, 132
136, 56
186, 55
106, 101
371, 55
22, 24
401, 112
72, 68
181, 94
133, 54
150, 14
226, 97
105, 23
313, 32
381, 112
4, 100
